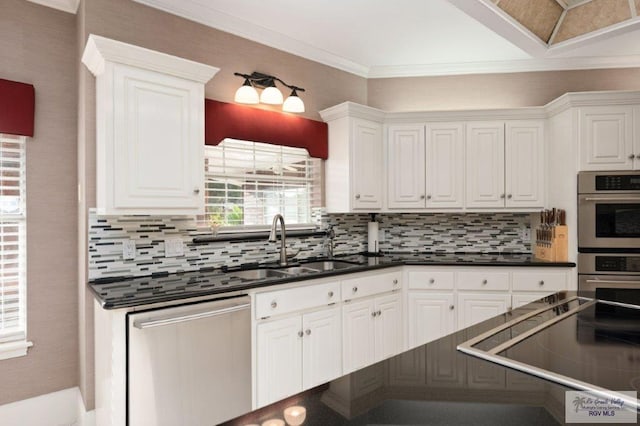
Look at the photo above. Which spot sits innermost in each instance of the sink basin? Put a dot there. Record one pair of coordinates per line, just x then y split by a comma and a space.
330, 265
260, 274
295, 270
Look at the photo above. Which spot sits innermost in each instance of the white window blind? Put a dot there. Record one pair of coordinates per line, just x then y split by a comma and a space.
12, 247
247, 183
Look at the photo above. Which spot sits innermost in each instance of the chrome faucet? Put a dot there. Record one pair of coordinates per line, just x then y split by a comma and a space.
283, 237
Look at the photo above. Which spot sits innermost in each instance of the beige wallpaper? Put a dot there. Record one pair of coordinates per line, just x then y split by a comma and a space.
485, 91
36, 46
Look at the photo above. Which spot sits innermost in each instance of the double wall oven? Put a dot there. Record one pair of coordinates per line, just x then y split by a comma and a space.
608, 230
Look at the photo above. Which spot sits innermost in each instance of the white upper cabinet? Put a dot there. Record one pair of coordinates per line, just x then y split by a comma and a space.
485, 164
445, 165
524, 165
607, 138
150, 129
505, 164
406, 166
354, 171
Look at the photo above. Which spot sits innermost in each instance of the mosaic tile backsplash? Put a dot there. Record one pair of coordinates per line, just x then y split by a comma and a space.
419, 232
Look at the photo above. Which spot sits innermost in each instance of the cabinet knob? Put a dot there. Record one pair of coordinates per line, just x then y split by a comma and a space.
541, 282
274, 304
484, 282
632, 156
395, 282
307, 331
451, 307
431, 281
330, 294
379, 313
422, 197
300, 333
501, 195
374, 313
357, 196
428, 197
196, 191
509, 196
355, 289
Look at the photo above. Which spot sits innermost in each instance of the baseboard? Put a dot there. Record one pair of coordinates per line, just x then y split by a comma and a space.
62, 408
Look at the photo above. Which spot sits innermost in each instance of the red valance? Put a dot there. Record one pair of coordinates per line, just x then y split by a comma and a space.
225, 120
17, 106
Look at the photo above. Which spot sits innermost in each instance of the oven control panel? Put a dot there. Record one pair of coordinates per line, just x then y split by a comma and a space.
617, 183
617, 263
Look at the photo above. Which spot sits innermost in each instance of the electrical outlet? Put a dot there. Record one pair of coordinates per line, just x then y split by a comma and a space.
173, 247
129, 249
525, 234
381, 235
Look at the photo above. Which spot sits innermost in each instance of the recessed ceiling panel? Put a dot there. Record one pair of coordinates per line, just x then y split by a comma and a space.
540, 16
592, 16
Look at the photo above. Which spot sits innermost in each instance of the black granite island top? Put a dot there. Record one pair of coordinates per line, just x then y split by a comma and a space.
122, 292
435, 384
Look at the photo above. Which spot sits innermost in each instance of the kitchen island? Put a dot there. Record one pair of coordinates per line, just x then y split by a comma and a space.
436, 384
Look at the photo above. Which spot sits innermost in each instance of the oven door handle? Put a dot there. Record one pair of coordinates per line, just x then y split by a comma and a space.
637, 199
612, 282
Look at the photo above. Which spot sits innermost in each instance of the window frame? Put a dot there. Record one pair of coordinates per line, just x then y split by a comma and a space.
14, 343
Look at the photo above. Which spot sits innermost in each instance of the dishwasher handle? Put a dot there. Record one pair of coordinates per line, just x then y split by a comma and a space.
169, 320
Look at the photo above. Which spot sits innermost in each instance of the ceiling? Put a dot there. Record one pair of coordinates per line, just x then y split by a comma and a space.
400, 38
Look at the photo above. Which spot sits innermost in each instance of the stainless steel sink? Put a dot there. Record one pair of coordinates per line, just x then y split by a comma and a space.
295, 270
260, 274
330, 265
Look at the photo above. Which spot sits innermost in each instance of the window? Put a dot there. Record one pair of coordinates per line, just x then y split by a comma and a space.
12, 247
247, 183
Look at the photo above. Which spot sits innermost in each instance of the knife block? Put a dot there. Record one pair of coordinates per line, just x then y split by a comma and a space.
554, 249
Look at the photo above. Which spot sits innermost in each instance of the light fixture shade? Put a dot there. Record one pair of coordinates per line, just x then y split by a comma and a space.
293, 103
272, 96
247, 94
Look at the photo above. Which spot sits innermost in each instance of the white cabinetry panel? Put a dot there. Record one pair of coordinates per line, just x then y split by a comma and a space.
485, 164
606, 138
524, 166
358, 335
445, 167
406, 166
322, 347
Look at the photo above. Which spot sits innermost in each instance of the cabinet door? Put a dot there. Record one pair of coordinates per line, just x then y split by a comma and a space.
388, 326
636, 137
477, 307
358, 347
158, 145
485, 164
431, 316
405, 166
322, 347
445, 168
278, 359
366, 161
606, 138
524, 166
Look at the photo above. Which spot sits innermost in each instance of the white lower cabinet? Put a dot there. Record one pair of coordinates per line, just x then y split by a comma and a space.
478, 307
431, 316
372, 330
297, 353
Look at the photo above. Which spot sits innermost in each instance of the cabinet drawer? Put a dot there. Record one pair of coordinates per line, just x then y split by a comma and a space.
296, 299
371, 284
431, 280
483, 280
539, 281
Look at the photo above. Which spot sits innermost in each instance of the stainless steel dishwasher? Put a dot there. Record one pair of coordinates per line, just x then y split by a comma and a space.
189, 364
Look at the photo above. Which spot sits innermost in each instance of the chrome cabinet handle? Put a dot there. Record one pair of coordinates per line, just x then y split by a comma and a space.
355, 289
484, 282
422, 197
379, 313
395, 282
451, 307
196, 191
274, 304
300, 333
357, 196
307, 331
509, 196
431, 281
374, 313
428, 197
330, 294
541, 282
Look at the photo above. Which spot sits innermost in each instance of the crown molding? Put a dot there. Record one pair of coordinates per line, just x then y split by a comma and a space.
201, 13
69, 6
602, 98
352, 109
100, 50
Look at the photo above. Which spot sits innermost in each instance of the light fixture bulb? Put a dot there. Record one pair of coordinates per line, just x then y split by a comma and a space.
295, 415
247, 94
293, 103
271, 96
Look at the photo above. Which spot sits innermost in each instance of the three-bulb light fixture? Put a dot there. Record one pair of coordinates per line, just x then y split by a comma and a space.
271, 95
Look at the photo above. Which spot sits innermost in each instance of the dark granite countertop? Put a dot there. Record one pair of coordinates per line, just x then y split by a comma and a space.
433, 384
121, 292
